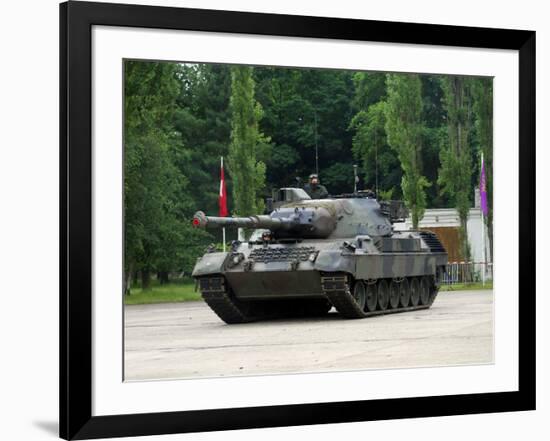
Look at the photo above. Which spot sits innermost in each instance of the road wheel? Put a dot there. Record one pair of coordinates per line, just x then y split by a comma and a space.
424, 290
383, 295
415, 291
372, 297
360, 294
394, 294
404, 293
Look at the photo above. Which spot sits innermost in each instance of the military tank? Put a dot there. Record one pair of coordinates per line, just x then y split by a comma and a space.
312, 255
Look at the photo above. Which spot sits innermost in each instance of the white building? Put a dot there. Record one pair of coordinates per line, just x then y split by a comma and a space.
445, 222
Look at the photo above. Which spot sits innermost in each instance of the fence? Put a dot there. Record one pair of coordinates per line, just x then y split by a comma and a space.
467, 272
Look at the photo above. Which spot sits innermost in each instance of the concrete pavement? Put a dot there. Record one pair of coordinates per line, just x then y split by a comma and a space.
182, 340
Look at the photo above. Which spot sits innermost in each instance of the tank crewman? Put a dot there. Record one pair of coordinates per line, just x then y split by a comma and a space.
314, 188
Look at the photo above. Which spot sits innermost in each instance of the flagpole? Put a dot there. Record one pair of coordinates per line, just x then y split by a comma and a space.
482, 230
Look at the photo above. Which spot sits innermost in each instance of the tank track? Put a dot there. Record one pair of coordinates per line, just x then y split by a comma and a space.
218, 297
336, 288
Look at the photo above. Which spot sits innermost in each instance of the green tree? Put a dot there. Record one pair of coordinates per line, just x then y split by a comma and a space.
434, 135
482, 89
248, 174
403, 126
380, 165
157, 238
203, 118
455, 174
305, 108
369, 88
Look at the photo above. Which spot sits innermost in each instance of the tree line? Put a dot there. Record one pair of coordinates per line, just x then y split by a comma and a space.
415, 137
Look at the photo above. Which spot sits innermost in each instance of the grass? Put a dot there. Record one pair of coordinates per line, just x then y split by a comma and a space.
467, 286
185, 291
169, 293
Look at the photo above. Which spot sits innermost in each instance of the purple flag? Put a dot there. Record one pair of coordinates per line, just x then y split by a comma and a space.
483, 189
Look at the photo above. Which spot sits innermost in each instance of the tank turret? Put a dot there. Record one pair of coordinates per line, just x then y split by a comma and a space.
345, 216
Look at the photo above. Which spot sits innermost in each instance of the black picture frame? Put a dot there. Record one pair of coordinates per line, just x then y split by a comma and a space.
76, 21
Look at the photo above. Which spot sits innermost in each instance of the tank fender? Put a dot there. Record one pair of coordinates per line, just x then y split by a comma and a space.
334, 261
210, 263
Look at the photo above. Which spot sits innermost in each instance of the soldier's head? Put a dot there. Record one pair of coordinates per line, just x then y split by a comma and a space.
314, 179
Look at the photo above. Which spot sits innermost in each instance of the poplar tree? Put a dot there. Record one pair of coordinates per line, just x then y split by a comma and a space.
455, 174
403, 111
247, 172
482, 89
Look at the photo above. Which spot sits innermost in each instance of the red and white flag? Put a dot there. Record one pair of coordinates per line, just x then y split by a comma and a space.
222, 199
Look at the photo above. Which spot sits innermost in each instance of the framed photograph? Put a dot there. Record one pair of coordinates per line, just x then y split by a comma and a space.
273, 220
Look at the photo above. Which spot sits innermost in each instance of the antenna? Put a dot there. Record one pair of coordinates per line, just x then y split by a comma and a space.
355, 178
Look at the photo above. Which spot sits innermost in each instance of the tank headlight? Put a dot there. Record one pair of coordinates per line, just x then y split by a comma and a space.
235, 259
312, 257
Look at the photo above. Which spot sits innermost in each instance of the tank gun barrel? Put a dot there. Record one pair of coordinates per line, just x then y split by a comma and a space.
200, 220
295, 221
